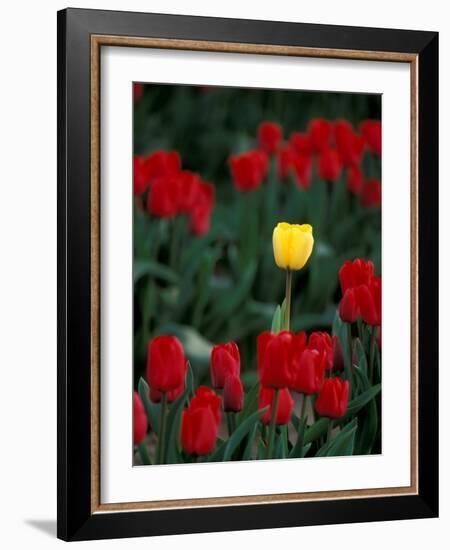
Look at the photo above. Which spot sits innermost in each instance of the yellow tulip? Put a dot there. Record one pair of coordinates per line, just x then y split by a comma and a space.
292, 245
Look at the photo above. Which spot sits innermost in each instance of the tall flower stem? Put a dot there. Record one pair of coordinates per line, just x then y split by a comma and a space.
231, 423
143, 453
287, 320
273, 423
330, 429
373, 337
160, 455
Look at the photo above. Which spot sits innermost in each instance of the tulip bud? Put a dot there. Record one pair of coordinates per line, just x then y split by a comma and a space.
284, 408
308, 371
225, 362
292, 245
321, 341
369, 300
171, 395
200, 423
348, 308
353, 274
269, 136
139, 419
275, 358
371, 132
319, 133
163, 199
233, 394
349, 144
329, 165
338, 356
166, 363
248, 169
333, 398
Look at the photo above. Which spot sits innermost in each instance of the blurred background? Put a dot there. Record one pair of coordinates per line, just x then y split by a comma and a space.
224, 285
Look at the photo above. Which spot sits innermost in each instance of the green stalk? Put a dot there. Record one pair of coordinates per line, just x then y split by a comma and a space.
161, 451
177, 228
143, 453
330, 429
230, 423
348, 364
303, 407
273, 422
372, 352
287, 320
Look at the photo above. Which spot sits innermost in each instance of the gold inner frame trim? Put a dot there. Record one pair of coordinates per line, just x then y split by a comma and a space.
97, 41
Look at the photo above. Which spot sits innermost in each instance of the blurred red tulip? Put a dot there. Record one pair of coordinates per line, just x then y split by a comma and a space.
371, 193
348, 307
166, 363
200, 213
308, 371
225, 362
300, 143
233, 394
284, 408
353, 274
248, 169
329, 165
269, 136
355, 179
163, 199
321, 341
139, 419
303, 170
275, 358
200, 423
333, 398
285, 161
371, 132
349, 144
319, 134
162, 163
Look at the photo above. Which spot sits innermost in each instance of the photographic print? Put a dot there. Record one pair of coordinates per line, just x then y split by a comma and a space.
257, 274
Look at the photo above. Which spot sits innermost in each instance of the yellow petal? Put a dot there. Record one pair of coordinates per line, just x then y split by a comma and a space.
301, 245
281, 245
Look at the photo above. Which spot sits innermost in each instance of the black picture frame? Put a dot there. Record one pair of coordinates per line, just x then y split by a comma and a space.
75, 519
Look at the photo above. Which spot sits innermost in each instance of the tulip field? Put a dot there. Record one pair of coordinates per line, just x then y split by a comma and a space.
257, 274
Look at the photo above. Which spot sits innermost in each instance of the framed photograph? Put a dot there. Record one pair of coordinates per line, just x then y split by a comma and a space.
247, 256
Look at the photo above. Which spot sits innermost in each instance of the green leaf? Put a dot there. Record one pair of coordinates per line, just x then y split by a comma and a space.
340, 330
366, 435
153, 410
297, 449
361, 355
283, 320
173, 429
316, 430
355, 405
247, 455
241, 431
276, 320
250, 403
327, 448
190, 381
343, 444
155, 269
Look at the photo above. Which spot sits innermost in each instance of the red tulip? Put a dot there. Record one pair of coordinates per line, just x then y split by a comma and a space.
166, 363
369, 300
163, 199
349, 307
248, 169
309, 371
355, 179
321, 341
139, 419
333, 398
371, 193
319, 133
163, 163
140, 175
284, 408
302, 170
225, 362
329, 165
275, 358
172, 395
353, 274
138, 91
188, 190
200, 423
285, 161
233, 394
269, 136
300, 143
371, 132
200, 214
349, 144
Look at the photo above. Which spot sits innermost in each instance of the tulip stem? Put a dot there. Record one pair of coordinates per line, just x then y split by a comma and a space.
143, 453
372, 352
162, 430
287, 320
273, 422
330, 429
303, 407
231, 424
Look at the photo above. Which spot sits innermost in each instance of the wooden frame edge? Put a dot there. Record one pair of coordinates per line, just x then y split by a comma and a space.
262, 49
